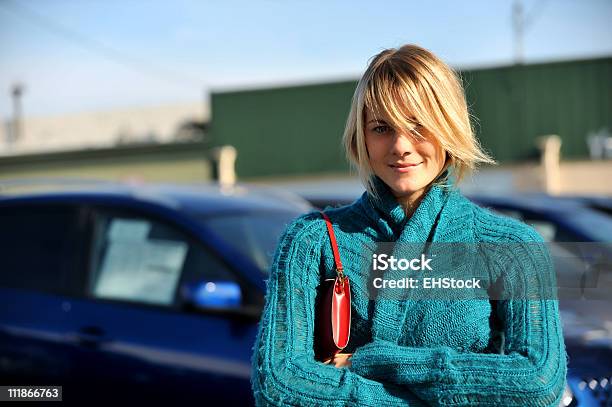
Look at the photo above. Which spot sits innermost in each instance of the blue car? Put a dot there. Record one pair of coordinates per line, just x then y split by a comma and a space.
136, 292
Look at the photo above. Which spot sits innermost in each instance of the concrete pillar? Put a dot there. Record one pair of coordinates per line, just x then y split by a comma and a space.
224, 168
550, 147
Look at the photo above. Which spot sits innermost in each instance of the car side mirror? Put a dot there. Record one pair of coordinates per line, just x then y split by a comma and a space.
212, 294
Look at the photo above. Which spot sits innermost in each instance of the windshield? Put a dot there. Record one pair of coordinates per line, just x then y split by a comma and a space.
254, 234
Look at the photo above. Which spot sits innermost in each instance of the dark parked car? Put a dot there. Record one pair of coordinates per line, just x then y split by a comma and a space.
148, 292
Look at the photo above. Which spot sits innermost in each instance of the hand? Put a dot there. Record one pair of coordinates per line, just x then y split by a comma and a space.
340, 360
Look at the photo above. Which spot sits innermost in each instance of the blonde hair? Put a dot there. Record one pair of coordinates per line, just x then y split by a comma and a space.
407, 87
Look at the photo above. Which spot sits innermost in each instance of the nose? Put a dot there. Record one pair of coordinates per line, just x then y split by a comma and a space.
402, 144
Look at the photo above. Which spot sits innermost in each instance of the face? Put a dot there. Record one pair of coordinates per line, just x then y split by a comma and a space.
406, 164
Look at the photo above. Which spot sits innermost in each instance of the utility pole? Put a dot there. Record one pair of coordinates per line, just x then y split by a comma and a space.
518, 26
521, 22
16, 129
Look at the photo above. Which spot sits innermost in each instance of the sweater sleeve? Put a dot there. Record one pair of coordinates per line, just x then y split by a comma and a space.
284, 371
531, 369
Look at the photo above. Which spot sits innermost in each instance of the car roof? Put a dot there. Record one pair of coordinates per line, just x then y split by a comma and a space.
204, 198
575, 213
533, 201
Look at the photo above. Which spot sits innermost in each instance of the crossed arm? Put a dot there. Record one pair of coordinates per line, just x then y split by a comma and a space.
284, 369
531, 370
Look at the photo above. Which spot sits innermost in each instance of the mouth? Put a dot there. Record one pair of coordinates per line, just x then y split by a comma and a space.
405, 167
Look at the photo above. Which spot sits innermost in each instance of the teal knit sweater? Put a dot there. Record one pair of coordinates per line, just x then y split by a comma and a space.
427, 352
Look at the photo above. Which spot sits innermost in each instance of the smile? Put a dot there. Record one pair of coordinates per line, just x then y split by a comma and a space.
401, 168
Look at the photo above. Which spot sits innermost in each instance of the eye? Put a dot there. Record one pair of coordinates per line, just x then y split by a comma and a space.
381, 129
417, 129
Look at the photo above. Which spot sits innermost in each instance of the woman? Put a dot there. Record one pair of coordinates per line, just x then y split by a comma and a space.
408, 134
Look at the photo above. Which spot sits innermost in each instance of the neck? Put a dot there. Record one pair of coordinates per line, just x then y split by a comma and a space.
410, 202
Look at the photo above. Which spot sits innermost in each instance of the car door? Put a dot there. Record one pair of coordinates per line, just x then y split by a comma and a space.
134, 333
40, 247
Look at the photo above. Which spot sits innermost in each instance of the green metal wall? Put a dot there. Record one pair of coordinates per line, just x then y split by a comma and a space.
514, 105
284, 130
298, 130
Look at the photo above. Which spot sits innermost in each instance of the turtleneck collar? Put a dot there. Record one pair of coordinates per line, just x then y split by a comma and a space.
441, 216
389, 215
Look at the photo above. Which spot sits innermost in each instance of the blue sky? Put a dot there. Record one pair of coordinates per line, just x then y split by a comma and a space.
85, 55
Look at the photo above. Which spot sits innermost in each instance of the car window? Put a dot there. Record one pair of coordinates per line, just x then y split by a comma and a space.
253, 234
141, 259
38, 246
